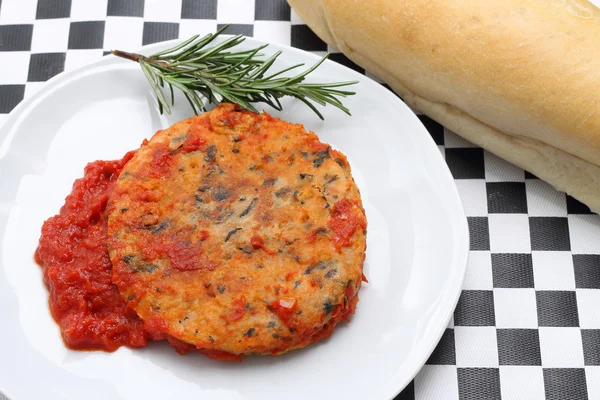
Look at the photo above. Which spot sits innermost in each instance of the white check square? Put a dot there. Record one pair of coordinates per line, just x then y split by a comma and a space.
543, 200
17, 73
436, 382
162, 11
561, 347
31, 88
191, 27
479, 271
476, 346
515, 308
18, 12
79, 58
583, 231
553, 270
235, 12
500, 170
273, 31
50, 35
522, 383
592, 378
588, 308
509, 233
473, 195
86, 10
123, 33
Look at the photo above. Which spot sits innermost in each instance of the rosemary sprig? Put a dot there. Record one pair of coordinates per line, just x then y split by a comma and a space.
211, 73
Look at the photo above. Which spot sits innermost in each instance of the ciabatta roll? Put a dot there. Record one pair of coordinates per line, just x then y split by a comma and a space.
520, 78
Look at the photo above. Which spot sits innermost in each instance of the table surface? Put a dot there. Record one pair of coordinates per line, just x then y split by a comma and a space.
527, 325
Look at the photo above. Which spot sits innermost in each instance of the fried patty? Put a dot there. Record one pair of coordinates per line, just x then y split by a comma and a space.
238, 233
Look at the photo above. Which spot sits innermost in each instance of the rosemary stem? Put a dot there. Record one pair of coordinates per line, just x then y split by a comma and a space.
129, 56
219, 73
138, 57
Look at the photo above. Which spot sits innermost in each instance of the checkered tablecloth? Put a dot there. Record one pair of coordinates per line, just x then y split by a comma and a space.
527, 325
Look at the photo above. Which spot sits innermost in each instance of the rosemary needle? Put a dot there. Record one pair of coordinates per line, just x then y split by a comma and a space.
206, 72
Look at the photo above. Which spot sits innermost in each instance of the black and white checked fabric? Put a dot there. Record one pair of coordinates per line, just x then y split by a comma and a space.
527, 325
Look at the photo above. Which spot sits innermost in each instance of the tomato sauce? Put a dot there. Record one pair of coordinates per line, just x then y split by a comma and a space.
344, 222
194, 141
238, 309
73, 254
284, 309
258, 243
188, 258
161, 162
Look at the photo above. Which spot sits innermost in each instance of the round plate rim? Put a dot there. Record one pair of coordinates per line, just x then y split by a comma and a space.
462, 228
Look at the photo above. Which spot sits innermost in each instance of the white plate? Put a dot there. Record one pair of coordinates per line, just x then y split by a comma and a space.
416, 256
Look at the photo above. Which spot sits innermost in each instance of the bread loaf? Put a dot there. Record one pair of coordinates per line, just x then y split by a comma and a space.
520, 78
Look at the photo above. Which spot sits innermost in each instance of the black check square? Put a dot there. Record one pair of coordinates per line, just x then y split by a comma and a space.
155, 32
557, 308
305, 39
479, 233
565, 383
342, 59
549, 233
408, 393
529, 175
238, 29
47, 9
44, 66
478, 383
466, 163
271, 10
475, 308
435, 129
15, 37
519, 347
587, 271
445, 351
506, 197
576, 207
590, 339
125, 8
10, 96
512, 270
86, 35
194, 9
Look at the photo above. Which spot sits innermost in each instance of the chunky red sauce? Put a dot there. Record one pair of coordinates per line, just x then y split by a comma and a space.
258, 243
238, 309
161, 162
284, 309
187, 258
194, 141
344, 222
77, 270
